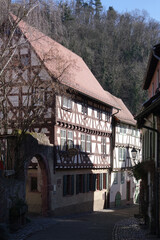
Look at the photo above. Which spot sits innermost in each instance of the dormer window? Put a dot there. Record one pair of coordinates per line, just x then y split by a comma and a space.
66, 103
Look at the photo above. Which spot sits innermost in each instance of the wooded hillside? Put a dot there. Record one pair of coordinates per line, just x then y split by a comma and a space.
115, 46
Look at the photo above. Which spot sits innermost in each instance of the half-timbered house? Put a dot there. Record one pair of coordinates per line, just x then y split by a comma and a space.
124, 187
53, 91
148, 121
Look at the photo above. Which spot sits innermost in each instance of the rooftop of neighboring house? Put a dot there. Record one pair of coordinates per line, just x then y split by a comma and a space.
64, 65
124, 115
152, 64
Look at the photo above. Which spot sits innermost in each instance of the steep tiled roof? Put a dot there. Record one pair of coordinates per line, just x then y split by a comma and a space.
56, 58
124, 115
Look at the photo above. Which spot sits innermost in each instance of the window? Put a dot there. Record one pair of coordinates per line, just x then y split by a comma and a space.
99, 114
107, 116
105, 180
99, 184
91, 182
122, 154
84, 109
83, 142
80, 183
88, 143
122, 177
70, 140
66, 103
115, 178
63, 140
68, 185
33, 184
103, 145
133, 132
122, 129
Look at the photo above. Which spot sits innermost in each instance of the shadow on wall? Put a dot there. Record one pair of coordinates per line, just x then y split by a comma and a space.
76, 184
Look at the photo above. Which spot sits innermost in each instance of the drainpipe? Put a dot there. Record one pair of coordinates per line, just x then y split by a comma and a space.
157, 177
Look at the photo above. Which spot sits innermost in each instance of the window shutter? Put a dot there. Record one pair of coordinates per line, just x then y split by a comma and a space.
94, 182
64, 185
77, 183
101, 181
106, 180
98, 182
72, 184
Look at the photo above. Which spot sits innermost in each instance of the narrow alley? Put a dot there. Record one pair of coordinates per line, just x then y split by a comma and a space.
109, 224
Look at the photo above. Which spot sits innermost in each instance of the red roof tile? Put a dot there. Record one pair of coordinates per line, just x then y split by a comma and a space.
124, 115
57, 58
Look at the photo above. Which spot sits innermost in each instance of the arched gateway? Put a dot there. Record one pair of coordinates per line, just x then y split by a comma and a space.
38, 158
37, 191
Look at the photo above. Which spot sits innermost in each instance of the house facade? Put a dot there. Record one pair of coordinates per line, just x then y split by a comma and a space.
124, 187
148, 120
65, 157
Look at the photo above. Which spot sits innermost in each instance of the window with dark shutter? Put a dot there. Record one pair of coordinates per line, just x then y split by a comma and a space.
98, 181
101, 181
68, 185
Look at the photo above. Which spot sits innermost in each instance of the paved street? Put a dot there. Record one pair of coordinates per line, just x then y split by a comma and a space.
108, 224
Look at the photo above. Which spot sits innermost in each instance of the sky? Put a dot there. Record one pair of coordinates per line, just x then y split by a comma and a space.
121, 6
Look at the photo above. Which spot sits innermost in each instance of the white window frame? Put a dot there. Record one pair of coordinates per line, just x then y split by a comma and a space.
103, 145
84, 109
66, 103
63, 140
88, 143
123, 129
70, 139
107, 116
122, 152
83, 143
122, 177
115, 178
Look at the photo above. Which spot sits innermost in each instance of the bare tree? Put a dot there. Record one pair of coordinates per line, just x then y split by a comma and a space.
25, 100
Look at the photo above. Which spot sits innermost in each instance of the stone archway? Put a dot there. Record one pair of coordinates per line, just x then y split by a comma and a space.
37, 182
